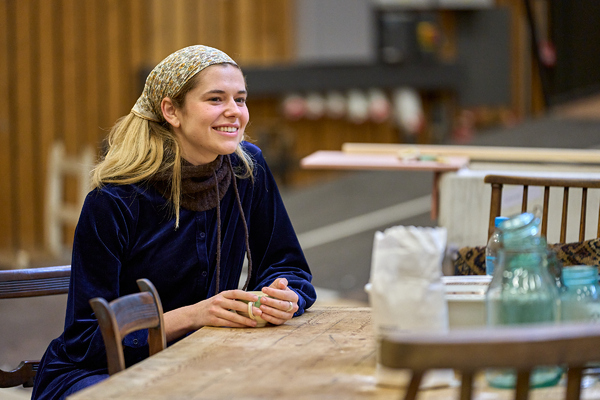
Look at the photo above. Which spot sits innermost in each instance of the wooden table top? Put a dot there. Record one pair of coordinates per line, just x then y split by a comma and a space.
329, 352
325, 159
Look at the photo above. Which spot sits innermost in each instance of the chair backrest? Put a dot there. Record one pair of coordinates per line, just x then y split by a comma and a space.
471, 350
58, 212
127, 314
30, 283
497, 182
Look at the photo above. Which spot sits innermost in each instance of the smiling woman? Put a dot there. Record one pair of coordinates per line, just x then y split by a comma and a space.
211, 118
180, 199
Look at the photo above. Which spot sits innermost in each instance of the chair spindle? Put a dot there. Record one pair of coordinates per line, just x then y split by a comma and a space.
563, 222
583, 213
545, 211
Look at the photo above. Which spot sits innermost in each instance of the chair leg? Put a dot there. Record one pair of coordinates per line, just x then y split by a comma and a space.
413, 387
574, 383
466, 386
522, 386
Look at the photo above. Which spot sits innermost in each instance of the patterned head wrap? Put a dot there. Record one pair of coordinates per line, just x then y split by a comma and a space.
169, 76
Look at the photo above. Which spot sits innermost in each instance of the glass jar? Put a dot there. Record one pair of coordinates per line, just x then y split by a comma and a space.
581, 299
522, 291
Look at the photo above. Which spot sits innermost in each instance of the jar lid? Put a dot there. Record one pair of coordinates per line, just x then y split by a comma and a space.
519, 227
580, 272
498, 221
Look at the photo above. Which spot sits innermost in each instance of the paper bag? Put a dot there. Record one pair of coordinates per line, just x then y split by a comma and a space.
407, 293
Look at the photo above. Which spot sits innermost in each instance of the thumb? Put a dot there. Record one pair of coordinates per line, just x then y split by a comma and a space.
281, 283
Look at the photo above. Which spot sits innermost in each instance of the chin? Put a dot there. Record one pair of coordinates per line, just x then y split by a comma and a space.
228, 150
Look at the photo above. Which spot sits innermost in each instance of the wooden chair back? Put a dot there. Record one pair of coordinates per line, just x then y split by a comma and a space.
471, 350
59, 212
497, 182
30, 283
127, 314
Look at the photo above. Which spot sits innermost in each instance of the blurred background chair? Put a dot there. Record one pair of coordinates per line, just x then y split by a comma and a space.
472, 350
498, 181
471, 260
127, 314
58, 211
30, 283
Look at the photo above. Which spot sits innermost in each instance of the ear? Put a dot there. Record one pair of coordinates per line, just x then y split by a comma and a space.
169, 112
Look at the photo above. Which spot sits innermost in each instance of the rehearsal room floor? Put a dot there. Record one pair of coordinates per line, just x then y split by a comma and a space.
335, 221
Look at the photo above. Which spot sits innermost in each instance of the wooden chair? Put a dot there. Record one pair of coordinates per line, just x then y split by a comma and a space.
521, 348
58, 212
497, 182
128, 314
30, 283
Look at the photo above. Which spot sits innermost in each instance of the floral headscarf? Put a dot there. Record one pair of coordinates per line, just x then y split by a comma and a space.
169, 76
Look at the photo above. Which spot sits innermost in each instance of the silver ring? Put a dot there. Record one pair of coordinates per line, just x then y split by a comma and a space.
291, 307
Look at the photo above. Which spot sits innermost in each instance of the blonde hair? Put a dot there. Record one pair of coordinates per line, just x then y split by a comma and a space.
139, 148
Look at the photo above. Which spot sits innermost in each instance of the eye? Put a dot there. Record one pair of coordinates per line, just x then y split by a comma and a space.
214, 99
241, 100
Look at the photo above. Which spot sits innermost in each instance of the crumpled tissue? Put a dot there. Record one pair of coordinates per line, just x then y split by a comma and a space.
406, 292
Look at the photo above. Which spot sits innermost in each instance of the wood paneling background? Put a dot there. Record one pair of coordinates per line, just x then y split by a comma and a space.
70, 68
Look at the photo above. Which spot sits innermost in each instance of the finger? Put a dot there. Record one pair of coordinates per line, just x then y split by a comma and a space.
277, 294
273, 320
222, 305
239, 294
283, 283
278, 304
235, 320
279, 283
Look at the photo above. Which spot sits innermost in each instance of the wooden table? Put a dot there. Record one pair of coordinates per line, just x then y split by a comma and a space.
341, 160
328, 353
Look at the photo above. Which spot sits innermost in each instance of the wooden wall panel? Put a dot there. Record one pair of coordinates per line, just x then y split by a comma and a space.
70, 68
23, 123
6, 194
91, 64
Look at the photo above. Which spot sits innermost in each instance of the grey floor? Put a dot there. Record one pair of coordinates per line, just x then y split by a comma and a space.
335, 221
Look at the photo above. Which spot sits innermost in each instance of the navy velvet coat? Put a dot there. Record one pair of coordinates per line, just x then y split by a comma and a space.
126, 232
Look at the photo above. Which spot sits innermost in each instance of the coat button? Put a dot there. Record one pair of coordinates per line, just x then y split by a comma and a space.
202, 235
135, 341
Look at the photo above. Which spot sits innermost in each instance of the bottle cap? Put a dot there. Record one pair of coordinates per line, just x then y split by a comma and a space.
498, 220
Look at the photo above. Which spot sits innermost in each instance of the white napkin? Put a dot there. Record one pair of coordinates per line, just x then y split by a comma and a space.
407, 292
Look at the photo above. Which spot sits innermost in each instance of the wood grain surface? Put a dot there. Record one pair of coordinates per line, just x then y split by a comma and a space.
327, 353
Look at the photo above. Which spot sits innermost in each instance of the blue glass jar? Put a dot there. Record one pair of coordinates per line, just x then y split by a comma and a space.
581, 299
522, 291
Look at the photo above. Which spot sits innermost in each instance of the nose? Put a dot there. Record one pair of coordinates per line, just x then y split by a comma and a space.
232, 109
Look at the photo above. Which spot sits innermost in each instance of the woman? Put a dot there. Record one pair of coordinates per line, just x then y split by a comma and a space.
180, 199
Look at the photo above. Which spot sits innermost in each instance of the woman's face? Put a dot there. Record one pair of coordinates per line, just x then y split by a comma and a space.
214, 115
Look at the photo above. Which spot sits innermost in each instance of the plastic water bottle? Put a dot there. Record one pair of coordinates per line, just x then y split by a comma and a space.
491, 251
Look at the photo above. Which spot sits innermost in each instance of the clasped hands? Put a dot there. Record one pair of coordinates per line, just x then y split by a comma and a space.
279, 307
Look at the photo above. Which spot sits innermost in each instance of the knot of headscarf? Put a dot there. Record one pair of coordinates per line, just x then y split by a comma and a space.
169, 76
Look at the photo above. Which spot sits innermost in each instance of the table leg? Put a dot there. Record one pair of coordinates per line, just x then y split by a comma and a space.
435, 195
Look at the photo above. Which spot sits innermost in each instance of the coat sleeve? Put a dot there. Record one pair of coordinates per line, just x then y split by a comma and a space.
276, 251
99, 246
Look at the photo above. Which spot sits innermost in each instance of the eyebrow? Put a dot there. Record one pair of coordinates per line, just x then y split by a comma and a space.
219, 91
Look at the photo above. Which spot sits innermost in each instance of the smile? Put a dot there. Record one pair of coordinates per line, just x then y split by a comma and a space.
228, 129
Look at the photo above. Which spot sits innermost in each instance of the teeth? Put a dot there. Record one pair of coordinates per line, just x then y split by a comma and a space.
226, 129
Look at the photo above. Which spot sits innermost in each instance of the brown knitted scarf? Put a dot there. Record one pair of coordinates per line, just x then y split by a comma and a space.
202, 188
